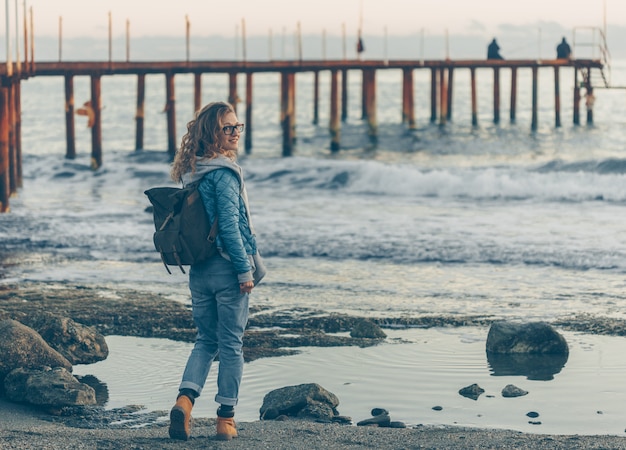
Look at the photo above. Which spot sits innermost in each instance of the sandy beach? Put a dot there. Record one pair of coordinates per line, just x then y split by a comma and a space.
22, 427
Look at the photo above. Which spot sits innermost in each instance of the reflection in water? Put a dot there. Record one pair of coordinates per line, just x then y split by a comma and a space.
102, 390
534, 367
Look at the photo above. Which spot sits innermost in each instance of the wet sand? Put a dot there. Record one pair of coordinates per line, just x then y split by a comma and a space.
22, 427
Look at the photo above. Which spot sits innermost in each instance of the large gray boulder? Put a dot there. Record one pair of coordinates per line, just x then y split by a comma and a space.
305, 401
21, 346
534, 350
80, 344
534, 338
48, 387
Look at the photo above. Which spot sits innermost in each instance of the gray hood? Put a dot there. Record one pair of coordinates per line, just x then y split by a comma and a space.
204, 166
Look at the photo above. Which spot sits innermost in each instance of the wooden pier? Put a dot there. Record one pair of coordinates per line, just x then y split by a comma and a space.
441, 94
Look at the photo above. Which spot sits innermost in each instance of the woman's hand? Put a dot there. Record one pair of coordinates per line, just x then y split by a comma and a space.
246, 288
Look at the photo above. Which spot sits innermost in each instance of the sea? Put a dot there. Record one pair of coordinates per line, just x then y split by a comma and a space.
495, 221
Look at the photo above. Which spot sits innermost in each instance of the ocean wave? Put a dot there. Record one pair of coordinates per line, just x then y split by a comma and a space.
554, 181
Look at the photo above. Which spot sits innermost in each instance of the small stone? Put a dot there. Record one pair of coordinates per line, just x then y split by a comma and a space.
599, 412
472, 391
397, 424
532, 414
534, 422
379, 411
365, 328
382, 420
511, 390
282, 418
343, 420
437, 408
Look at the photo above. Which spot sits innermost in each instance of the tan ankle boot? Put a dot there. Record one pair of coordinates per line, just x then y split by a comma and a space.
180, 418
226, 429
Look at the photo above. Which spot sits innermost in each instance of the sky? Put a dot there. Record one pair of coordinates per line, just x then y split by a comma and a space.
394, 17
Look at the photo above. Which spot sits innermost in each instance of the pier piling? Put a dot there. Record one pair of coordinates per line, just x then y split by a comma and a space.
557, 99
96, 129
474, 98
533, 120
140, 110
335, 128
496, 95
197, 91
170, 110
344, 95
513, 110
5, 187
248, 133
70, 132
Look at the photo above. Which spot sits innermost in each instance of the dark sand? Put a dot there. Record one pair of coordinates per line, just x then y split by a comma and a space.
21, 427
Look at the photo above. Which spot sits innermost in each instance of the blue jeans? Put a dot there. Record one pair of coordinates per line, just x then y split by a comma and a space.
220, 313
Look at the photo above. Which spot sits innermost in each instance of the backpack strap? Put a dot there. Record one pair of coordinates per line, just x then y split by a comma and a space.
213, 233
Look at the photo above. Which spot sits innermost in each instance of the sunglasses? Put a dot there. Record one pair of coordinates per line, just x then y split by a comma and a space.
230, 129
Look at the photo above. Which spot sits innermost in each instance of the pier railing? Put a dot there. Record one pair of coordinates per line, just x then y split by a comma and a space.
591, 42
441, 93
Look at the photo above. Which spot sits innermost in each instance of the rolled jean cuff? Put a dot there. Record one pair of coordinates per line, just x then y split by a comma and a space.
190, 385
226, 401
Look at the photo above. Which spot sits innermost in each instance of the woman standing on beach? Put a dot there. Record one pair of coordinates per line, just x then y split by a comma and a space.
219, 286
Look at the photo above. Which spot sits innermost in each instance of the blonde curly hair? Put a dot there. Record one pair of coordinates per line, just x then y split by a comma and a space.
201, 139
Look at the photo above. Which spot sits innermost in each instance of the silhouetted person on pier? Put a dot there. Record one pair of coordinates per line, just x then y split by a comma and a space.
493, 50
360, 48
563, 50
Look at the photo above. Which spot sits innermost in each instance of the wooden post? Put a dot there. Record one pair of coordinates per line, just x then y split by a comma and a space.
335, 128
197, 92
70, 135
533, 125
449, 98
433, 95
139, 114
96, 129
363, 94
576, 109
406, 73
557, 98
232, 90
316, 96
512, 112
344, 95
443, 94
170, 109
292, 106
372, 125
12, 154
408, 104
474, 102
287, 110
18, 131
248, 135
5, 189
284, 112
589, 100
496, 95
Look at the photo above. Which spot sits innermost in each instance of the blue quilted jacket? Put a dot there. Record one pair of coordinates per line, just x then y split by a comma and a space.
224, 195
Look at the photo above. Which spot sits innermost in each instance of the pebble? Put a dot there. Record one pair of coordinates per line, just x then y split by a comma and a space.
511, 390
